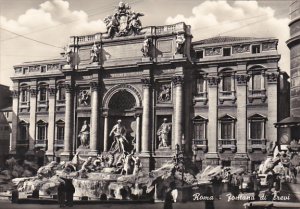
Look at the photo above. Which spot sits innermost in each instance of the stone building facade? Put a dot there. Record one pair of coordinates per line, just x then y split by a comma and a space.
5, 122
289, 134
216, 98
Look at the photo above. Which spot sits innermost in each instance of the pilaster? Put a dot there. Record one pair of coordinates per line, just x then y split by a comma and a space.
32, 117
15, 121
51, 121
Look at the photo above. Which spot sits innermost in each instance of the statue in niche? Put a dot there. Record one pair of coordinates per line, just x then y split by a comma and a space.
119, 132
146, 48
84, 98
163, 134
95, 52
165, 93
180, 40
84, 134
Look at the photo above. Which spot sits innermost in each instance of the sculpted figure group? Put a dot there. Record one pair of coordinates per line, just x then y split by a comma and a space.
123, 22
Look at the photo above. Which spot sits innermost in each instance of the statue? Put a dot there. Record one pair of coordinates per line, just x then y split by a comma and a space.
127, 165
119, 132
165, 93
134, 23
87, 165
163, 134
69, 55
112, 24
123, 22
95, 52
146, 48
84, 97
84, 134
137, 165
180, 40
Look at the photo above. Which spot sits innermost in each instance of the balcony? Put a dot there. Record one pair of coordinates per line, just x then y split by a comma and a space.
225, 144
42, 106
257, 94
40, 143
257, 144
24, 106
59, 143
201, 97
22, 143
200, 144
227, 96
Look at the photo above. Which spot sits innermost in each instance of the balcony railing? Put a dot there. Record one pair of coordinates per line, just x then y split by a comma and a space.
227, 144
201, 97
40, 143
59, 143
257, 94
227, 96
200, 144
22, 143
257, 144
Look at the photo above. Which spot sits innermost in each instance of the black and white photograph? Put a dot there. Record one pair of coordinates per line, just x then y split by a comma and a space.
153, 104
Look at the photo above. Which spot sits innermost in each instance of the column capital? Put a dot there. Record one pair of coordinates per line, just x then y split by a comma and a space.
146, 82
272, 77
242, 79
15, 93
33, 92
52, 90
94, 86
213, 81
69, 88
178, 80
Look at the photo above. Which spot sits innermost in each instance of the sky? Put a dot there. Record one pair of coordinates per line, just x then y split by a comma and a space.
26, 23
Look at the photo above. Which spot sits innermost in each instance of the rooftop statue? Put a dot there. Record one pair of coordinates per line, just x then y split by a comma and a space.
123, 22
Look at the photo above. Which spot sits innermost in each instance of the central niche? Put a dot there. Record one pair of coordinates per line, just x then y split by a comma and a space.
122, 101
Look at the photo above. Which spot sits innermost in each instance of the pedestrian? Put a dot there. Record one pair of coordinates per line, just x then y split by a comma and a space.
229, 176
70, 190
209, 198
257, 187
168, 204
240, 180
61, 194
219, 186
269, 195
236, 184
277, 187
270, 180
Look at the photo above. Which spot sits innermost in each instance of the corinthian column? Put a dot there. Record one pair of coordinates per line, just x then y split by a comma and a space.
94, 119
178, 83
68, 123
146, 116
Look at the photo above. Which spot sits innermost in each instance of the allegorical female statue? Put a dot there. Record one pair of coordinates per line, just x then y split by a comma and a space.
84, 134
163, 134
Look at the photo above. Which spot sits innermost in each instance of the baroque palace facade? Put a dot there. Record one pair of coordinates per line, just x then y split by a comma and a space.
217, 98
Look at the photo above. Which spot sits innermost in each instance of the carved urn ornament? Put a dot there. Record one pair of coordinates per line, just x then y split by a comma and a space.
123, 22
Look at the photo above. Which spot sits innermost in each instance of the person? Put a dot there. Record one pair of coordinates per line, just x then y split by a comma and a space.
163, 133
119, 132
70, 190
84, 134
219, 186
269, 195
229, 177
235, 185
270, 180
241, 180
277, 187
168, 203
61, 194
209, 198
256, 188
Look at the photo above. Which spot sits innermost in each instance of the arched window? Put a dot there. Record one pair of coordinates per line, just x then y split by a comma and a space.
227, 86
257, 78
43, 93
24, 94
61, 92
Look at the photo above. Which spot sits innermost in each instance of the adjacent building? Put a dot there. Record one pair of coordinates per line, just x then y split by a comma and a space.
5, 122
218, 98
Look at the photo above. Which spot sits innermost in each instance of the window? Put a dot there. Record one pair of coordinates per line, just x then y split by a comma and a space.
199, 128
226, 85
199, 54
43, 94
23, 130
255, 49
24, 95
227, 127
256, 82
41, 130
61, 93
60, 130
257, 126
200, 85
226, 52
